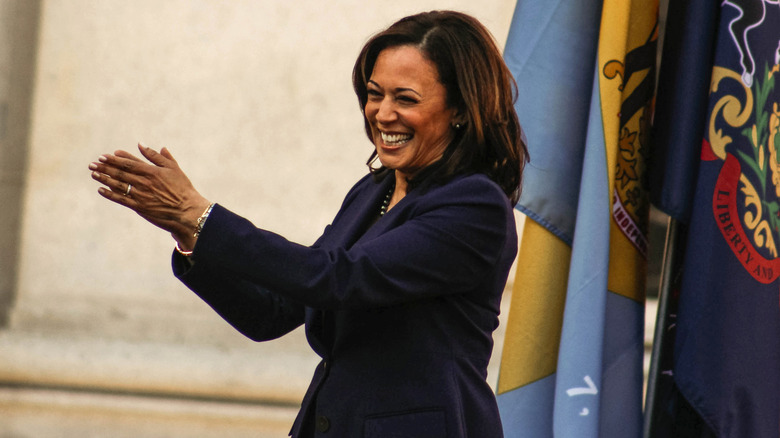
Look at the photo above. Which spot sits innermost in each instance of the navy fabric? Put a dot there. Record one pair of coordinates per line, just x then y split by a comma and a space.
718, 174
681, 105
401, 311
727, 350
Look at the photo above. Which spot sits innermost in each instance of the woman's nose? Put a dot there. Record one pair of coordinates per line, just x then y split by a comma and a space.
386, 112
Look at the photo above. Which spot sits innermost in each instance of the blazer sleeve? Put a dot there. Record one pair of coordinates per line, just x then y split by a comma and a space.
257, 313
451, 238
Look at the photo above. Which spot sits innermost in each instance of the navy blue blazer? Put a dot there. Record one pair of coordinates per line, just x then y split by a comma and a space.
401, 309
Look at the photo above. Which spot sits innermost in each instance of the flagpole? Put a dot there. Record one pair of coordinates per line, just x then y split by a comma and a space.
667, 267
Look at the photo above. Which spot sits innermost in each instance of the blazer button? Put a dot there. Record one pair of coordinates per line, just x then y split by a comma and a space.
323, 424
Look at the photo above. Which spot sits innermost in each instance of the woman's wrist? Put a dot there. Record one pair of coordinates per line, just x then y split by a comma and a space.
201, 221
183, 252
187, 234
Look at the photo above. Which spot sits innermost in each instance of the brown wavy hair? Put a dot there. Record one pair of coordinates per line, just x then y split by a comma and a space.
479, 86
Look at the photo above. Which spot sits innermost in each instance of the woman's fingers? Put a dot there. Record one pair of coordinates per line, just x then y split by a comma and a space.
135, 197
125, 162
115, 185
120, 198
164, 158
124, 154
159, 191
115, 178
161, 220
123, 168
167, 154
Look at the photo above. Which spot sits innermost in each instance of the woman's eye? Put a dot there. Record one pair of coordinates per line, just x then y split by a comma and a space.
373, 94
407, 99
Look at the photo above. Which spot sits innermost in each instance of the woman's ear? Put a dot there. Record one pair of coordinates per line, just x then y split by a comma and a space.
459, 120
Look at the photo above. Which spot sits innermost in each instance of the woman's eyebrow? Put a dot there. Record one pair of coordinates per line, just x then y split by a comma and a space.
399, 89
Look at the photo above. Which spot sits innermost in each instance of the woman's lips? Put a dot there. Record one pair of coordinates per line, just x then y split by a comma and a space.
394, 140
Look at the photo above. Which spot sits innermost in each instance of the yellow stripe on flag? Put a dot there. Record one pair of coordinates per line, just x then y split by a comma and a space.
536, 309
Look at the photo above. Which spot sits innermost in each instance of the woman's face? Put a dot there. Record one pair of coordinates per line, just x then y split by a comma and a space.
407, 110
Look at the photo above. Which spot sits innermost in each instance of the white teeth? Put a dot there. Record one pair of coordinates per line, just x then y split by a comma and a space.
395, 139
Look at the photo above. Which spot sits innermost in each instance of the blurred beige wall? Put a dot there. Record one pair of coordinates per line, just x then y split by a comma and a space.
254, 99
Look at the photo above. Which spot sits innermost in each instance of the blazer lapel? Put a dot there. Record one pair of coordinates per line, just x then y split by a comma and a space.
398, 213
349, 226
357, 219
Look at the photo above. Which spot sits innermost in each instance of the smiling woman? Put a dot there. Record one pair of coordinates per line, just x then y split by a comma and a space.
401, 293
453, 51
407, 109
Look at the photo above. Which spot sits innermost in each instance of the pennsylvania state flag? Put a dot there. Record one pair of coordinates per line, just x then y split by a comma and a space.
572, 358
726, 362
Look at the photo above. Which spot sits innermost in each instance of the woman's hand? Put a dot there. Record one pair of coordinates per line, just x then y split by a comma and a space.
159, 192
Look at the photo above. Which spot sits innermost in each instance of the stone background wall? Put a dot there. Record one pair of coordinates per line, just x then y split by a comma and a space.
254, 99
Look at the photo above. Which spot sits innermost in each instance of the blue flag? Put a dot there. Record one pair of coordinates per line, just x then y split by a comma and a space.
572, 358
726, 364
681, 106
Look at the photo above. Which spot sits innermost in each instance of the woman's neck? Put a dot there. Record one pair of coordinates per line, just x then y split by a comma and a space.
401, 185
